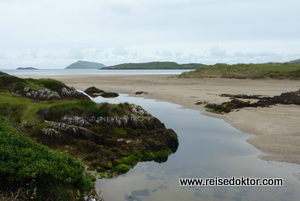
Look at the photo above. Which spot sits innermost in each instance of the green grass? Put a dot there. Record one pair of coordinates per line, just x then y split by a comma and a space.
51, 84
21, 109
242, 71
10, 83
120, 131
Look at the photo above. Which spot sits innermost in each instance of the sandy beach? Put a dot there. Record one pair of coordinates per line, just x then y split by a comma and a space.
275, 129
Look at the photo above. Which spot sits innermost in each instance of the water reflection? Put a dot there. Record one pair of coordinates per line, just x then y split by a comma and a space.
134, 196
208, 148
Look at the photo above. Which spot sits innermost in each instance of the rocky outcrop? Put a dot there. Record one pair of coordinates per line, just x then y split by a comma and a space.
41, 94
95, 92
141, 92
47, 94
62, 132
243, 96
263, 101
138, 110
131, 121
65, 93
77, 121
287, 98
105, 139
109, 95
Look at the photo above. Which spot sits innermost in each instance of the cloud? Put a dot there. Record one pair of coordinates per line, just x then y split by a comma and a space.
255, 54
34, 54
76, 53
3, 56
120, 51
218, 52
184, 31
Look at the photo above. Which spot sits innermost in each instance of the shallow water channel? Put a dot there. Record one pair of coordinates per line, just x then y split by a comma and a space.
208, 147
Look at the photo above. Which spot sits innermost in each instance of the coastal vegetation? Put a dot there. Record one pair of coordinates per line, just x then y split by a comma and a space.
156, 65
50, 130
36, 172
243, 71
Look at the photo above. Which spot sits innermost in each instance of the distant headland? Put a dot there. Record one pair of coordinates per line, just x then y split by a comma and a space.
154, 65
147, 65
128, 66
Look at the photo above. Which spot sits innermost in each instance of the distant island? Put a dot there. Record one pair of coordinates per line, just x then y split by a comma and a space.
26, 68
154, 65
85, 65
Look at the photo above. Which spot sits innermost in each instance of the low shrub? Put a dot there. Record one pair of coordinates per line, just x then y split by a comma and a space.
42, 173
12, 111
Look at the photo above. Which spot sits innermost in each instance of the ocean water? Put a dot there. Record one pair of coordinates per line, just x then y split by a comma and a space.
208, 148
53, 72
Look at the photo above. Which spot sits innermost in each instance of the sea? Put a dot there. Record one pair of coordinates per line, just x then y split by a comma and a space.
53, 72
209, 149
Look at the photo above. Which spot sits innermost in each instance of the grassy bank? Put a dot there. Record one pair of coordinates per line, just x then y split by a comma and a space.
243, 71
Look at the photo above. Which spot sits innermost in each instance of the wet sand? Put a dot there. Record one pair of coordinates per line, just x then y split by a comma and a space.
275, 129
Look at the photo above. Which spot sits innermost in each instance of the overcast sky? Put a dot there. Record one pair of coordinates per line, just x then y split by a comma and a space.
56, 33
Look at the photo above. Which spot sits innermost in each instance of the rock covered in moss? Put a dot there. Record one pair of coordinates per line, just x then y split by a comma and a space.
93, 90
109, 95
101, 140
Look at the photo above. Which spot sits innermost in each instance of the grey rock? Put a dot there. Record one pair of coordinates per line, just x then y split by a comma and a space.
77, 121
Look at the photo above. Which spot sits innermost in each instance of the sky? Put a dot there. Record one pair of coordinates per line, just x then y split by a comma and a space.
55, 33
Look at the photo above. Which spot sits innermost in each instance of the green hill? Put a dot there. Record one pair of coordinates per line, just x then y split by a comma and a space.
85, 65
155, 65
243, 71
295, 61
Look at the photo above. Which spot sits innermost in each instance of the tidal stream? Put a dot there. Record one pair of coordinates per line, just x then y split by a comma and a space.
208, 148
